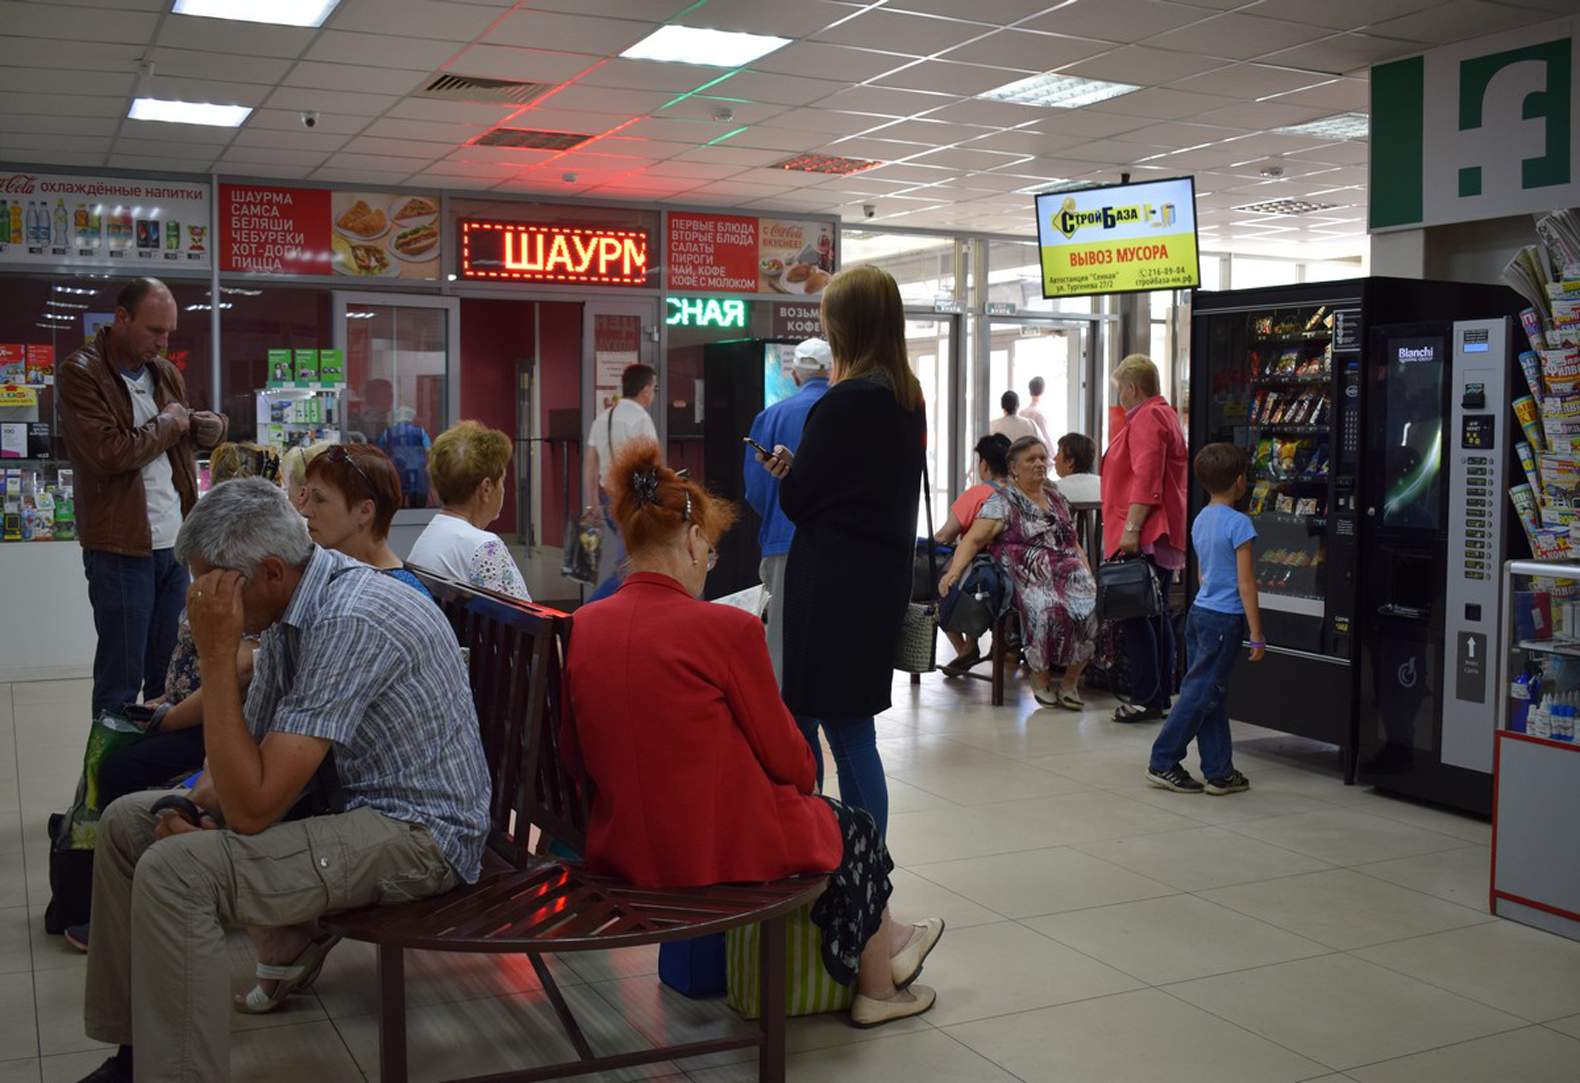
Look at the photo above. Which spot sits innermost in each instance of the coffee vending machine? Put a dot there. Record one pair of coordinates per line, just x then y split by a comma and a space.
1435, 531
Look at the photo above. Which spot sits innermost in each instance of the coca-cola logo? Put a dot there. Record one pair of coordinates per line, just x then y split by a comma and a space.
18, 184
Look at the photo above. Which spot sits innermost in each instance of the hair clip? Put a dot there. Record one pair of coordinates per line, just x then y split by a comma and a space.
645, 485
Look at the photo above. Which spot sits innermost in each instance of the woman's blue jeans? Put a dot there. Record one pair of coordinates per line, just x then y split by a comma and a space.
854, 743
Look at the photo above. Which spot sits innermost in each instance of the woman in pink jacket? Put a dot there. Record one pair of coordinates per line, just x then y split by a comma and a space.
1144, 514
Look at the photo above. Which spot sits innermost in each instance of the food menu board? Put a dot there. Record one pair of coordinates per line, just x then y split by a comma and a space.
316, 231
725, 253
54, 219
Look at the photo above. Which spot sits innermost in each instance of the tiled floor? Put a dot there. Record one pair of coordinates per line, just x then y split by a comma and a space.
1100, 930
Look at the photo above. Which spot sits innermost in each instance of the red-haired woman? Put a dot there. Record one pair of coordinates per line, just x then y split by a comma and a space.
700, 773
353, 491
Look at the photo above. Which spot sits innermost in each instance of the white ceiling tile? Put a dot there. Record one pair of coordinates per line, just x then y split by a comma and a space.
59, 81
641, 148
263, 171
381, 50
489, 172
1259, 116
827, 121
1344, 53
124, 5
527, 65
930, 133
43, 145
363, 80
45, 124
517, 157
576, 33
430, 131
1458, 20
300, 139
406, 148
1086, 122
360, 177
885, 101
135, 141
965, 158
226, 36
160, 162
304, 159
1117, 20
732, 189
486, 114
1234, 35
678, 131
987, 113
330, 101
918, 35
290, 120
1340, 14
624, 101
1027, 51
784, 140
195, 138
1000, 12
816, 60
761, 86
74, 24
694, 171
1162, 104
650, 75
948, 77
231, 67
764, 16
1250, 81
413, 18
379, 163
96, 56
72, 158
703, 107
1356, 153
742, 157
911, 174
564, 120
1143, 66
879, 150
1341, 95
791, 179
210, 90
1180, 135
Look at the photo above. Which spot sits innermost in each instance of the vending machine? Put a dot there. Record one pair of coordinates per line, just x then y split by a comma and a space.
1436, 530
1291, 374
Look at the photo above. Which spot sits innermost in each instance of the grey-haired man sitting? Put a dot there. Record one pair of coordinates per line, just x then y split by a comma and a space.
350, 660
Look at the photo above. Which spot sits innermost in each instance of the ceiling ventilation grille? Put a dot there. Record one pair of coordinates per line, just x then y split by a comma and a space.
1288, 206
528, 139
824, 163
472, 88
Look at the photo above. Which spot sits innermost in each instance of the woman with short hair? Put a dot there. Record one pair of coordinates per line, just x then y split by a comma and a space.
1074, 459
1144, 477
352, 493
699, 774
1032, 530
467, 466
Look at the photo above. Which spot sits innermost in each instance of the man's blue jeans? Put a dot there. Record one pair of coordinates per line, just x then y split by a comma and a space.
854, 742
1201, 713
137, 603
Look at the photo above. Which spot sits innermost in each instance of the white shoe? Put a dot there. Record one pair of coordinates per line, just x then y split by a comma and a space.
908, 963
866, 1013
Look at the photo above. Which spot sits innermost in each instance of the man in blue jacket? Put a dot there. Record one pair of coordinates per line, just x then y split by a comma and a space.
782, 423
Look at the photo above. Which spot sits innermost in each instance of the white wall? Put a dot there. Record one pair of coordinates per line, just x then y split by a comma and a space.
46, 624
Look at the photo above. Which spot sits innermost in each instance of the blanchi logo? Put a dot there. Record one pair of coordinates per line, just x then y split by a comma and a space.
1478, 130
1424, 353
18, 184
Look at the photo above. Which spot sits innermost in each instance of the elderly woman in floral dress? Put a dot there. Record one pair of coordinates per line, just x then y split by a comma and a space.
1031, 530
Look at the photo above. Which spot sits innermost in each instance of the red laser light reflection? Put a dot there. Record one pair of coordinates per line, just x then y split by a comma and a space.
529, 253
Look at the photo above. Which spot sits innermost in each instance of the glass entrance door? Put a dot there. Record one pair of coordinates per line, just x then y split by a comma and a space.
931, 342
1057, 351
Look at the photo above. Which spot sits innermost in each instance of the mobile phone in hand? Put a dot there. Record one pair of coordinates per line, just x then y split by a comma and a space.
764, 452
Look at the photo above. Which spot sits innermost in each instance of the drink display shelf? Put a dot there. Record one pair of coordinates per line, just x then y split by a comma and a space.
1569, 647
1284, 518
1319, 378
1266, 474
1292, 430
1299, 337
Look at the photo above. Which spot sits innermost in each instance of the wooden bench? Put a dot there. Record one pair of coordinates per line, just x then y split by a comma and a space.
530, 904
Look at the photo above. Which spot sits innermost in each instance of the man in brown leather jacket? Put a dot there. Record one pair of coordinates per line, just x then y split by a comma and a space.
130, 436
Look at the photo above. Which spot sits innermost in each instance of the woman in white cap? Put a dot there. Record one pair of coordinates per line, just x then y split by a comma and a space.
782, 423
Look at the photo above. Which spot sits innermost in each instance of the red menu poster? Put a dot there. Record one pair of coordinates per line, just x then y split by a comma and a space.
314, 231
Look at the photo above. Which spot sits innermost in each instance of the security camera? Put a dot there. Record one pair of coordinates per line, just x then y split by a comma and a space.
309, 119
724, 114
868, 210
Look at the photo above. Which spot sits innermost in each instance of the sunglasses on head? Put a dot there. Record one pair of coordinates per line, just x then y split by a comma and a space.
337, 453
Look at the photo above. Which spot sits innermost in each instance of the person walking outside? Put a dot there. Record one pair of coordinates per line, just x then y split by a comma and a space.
130, 435
851, 490
1143, 488
1032, 411
781, 425
1011, 424
625, 420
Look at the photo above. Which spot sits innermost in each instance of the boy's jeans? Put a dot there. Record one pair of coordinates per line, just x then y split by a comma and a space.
1212, 640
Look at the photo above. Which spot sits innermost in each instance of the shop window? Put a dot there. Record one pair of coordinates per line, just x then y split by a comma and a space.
1015, 275
924, 266
260, 319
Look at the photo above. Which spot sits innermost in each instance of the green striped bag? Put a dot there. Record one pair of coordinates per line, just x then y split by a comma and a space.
808, 988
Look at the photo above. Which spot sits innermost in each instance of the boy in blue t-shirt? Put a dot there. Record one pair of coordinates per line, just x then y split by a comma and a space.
1225, 605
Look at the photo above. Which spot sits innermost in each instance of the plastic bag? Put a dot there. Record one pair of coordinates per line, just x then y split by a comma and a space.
111, 731
579, 557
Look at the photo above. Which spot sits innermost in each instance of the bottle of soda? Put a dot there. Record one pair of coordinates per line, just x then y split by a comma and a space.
94, 225
61, 223
14, 227
5, 222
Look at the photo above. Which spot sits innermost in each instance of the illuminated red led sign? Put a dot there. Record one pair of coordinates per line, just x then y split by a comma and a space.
517, 252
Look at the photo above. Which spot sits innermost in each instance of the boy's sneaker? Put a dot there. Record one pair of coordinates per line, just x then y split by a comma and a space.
1176, 778
1233, 782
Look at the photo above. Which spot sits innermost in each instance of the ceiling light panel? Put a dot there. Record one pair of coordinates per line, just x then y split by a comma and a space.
1059, 91
172, 112
1344, 126
690, 45
278, 12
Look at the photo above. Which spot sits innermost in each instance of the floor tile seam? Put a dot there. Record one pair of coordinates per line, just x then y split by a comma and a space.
947, 1027
1448, 1045
1328, 866
1327, 1069
1028, 849
978, 1053
1524, 1020
580, 983
345, 1042
1485, 917
913, 870
1458, 844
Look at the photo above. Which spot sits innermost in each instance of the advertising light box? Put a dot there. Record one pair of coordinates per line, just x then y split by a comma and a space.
585, 255
1119, 239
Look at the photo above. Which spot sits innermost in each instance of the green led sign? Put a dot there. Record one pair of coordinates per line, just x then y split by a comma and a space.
706, 312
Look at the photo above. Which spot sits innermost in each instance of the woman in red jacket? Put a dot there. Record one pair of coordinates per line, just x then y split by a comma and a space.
1144, 515
700, 774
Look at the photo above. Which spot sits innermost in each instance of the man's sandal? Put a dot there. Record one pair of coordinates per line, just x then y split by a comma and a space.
294, 977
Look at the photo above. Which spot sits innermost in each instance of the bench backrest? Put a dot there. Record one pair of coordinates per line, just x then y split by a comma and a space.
517, 677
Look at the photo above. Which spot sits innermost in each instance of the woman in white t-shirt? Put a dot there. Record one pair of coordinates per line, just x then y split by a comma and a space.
467, 466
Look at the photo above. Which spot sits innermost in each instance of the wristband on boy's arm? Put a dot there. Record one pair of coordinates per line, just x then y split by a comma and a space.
1256, 643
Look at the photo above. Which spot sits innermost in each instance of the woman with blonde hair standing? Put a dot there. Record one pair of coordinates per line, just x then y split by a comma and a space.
851, 488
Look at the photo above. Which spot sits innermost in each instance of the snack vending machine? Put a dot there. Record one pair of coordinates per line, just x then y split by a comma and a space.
1283, 372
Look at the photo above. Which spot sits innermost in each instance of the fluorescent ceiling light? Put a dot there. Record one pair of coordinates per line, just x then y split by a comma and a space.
218, 116
280, 12
1351, 126
716, 48
1059, 91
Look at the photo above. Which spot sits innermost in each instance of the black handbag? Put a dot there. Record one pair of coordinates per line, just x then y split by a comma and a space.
1128, 588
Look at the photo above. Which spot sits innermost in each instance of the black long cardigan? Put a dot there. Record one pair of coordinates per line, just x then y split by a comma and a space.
853, 495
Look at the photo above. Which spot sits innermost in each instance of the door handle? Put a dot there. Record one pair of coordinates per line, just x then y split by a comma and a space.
1413, 612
